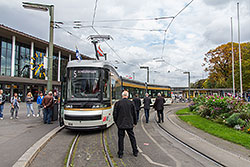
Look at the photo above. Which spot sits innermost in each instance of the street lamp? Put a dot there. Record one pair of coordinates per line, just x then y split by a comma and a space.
45, 8
188, 83
146, 67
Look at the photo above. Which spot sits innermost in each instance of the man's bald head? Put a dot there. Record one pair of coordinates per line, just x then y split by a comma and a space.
125, 94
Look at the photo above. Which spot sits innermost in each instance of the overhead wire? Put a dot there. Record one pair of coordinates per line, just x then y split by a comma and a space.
93, 20
165, 33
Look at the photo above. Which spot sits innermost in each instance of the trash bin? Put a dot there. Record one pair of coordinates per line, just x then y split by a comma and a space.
55, 113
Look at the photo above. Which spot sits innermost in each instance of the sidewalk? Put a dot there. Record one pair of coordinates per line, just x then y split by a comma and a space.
223, 151
18, 135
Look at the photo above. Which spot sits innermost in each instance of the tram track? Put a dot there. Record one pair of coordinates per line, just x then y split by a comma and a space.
167, 132
73, 148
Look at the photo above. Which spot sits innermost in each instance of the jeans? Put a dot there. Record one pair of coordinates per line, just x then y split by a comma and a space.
29, 108
1, 111
138, 114
47, 112
131, 135
12, 110
146, 114
40, 107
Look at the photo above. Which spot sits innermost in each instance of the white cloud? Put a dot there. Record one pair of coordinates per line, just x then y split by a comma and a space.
202, 26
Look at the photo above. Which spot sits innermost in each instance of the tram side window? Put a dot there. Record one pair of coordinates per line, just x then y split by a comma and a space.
113, 82
118, 89
142, 93
106, 86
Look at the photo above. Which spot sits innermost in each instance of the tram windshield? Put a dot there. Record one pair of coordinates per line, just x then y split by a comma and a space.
84, 84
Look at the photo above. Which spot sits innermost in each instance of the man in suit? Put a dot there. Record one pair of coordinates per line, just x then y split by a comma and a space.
147, 102
125, 118
159, 106
137, 102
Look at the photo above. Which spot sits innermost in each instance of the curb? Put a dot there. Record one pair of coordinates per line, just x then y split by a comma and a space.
26, 159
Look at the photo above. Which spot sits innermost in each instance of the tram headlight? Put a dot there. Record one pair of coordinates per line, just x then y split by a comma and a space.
68, 106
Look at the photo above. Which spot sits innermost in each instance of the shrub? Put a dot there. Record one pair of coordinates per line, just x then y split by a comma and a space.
235, 119
247, 128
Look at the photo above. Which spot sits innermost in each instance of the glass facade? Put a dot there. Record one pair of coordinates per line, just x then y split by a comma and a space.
39, 58
55, 68
22, 61
6, 47
64, 63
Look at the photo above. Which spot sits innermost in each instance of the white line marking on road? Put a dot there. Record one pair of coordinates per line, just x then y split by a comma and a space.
178, 164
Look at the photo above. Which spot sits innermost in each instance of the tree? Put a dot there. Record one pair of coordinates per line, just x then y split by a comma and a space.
218, 62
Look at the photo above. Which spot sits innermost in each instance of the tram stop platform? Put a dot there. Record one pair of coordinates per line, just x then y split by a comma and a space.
18, 135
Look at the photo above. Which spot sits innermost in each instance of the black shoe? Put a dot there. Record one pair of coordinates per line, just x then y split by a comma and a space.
158, 122
135, 154
50, 123
120, 156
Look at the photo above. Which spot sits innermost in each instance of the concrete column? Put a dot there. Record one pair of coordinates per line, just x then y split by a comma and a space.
45, 61
59, 66
31, 55
13, 56
70, 57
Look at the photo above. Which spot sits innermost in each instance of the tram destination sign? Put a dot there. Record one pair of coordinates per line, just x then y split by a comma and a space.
81, 73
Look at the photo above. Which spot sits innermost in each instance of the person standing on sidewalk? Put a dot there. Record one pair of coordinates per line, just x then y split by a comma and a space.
124, 115
39, 103
2, 101
47, 103
29, 98
15, 100
137, 102
147, 102
159, 106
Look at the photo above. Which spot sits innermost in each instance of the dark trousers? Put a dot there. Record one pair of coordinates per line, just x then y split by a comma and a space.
146, 114
131, 135
138, 114
160, 115
47, 112
14, 110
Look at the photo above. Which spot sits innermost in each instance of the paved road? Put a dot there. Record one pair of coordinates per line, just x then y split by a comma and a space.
156, 149
17, 136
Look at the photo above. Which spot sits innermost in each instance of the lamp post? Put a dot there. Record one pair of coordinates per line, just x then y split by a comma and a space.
146, 67
45, 8
188, 83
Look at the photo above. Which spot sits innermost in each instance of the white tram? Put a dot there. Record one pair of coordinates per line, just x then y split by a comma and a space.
89, 91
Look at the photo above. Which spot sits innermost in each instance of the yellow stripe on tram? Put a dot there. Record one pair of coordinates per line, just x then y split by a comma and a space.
87, 109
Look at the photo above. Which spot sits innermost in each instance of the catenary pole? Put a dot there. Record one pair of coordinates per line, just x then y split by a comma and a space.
51, 38
238, 16
232, 56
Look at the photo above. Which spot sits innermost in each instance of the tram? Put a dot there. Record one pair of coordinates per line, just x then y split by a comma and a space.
90, 90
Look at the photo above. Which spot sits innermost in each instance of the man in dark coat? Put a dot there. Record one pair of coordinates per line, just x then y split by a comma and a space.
159, 106
125, 118
147, 102
137, 102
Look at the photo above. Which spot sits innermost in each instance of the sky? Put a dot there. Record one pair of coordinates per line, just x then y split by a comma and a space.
203, 25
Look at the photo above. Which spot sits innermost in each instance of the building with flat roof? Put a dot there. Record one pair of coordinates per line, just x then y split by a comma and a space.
21, 57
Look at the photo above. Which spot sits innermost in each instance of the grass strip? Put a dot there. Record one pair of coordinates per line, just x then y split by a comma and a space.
218, 130
184, 111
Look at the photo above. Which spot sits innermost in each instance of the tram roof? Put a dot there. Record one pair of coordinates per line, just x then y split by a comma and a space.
91, 63
142, 83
